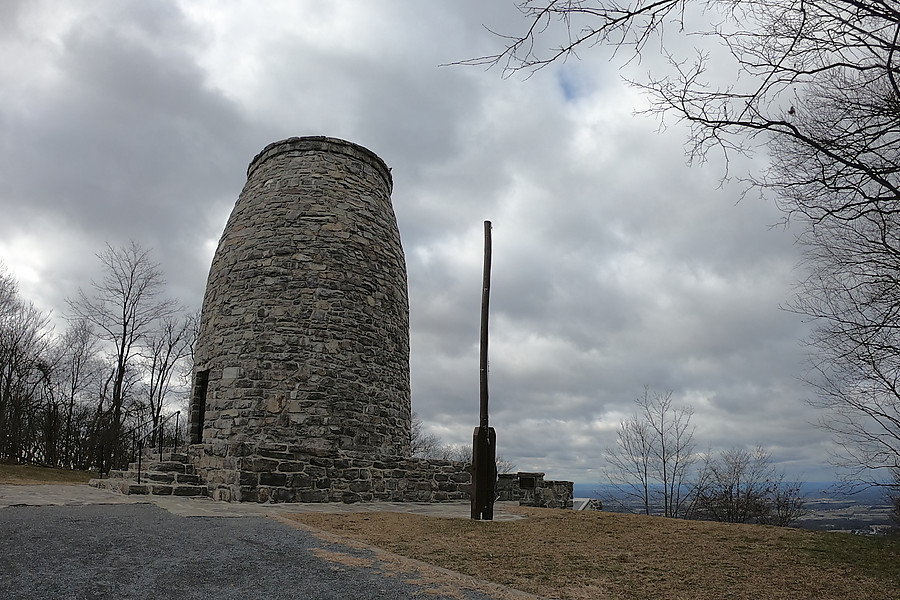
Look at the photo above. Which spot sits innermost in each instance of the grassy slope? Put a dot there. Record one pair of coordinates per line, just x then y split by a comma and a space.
31, 474
566, 554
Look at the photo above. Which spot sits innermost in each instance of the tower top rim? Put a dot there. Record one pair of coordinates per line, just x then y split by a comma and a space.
321, 143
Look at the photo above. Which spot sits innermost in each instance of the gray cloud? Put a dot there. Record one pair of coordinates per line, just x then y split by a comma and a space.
615, 265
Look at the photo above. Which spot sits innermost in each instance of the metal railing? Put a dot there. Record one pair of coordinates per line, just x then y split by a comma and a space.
136, 442
159, 430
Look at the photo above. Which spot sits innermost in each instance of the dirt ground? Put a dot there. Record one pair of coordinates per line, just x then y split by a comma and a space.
598, 555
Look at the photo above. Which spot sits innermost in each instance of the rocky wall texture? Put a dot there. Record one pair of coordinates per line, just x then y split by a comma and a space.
531, 489
277, 472
304, 334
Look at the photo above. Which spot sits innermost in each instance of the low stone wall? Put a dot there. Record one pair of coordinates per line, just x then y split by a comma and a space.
530, 489
273, 472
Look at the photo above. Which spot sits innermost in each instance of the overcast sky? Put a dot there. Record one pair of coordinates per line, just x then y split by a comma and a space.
615, 265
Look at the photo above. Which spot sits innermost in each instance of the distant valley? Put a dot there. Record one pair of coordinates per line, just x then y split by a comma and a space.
827, 508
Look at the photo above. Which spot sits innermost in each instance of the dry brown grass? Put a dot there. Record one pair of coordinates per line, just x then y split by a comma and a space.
580, 555
34, 475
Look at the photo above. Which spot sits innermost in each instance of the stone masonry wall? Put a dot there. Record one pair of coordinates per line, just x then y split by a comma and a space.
304, 335
531, 489
277, 472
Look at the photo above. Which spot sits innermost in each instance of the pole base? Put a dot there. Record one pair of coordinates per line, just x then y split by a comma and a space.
484, 473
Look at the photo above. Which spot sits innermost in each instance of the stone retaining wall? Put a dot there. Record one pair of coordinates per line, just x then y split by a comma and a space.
278, 472
531, 489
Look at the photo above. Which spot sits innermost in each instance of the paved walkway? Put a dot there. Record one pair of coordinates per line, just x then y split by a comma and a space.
82, 494
78, 542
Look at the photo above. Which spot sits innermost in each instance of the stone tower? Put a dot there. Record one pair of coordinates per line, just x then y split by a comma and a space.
304, 333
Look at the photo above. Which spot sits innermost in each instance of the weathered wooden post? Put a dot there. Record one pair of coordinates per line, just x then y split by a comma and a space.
484, 442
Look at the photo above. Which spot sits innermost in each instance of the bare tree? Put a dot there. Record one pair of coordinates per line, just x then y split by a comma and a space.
457, 452
463, 453
787, 502
852, 292
429, 445
653, 455
741, 486
821, 73
815, 84
504, 465
123, 310
8, 293
25, 338
735, 486
895, 502
630, 467
79, 369
421, 443
162, 356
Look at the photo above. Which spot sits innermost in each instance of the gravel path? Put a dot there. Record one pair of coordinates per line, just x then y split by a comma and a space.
126, 551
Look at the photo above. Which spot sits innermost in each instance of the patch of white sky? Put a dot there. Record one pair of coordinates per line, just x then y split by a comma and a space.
250, 49
216, 218
239, 39
462, 251
31, 58
23, 256
29, 258
523, 353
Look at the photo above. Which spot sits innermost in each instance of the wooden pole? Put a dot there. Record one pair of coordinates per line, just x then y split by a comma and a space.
485, 303
484, 440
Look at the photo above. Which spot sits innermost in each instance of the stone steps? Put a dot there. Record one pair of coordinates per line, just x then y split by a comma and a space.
163, 467
149, 455
172, 476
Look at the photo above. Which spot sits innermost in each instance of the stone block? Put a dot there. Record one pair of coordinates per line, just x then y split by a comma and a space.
269, 478
273, 447
300, 481
316, 472
290, 466
231, 373
248, 494
248, 478
168, 467
360, 486
276, 454
222, 494
259, 464
282, 494
312, 496
188, 490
